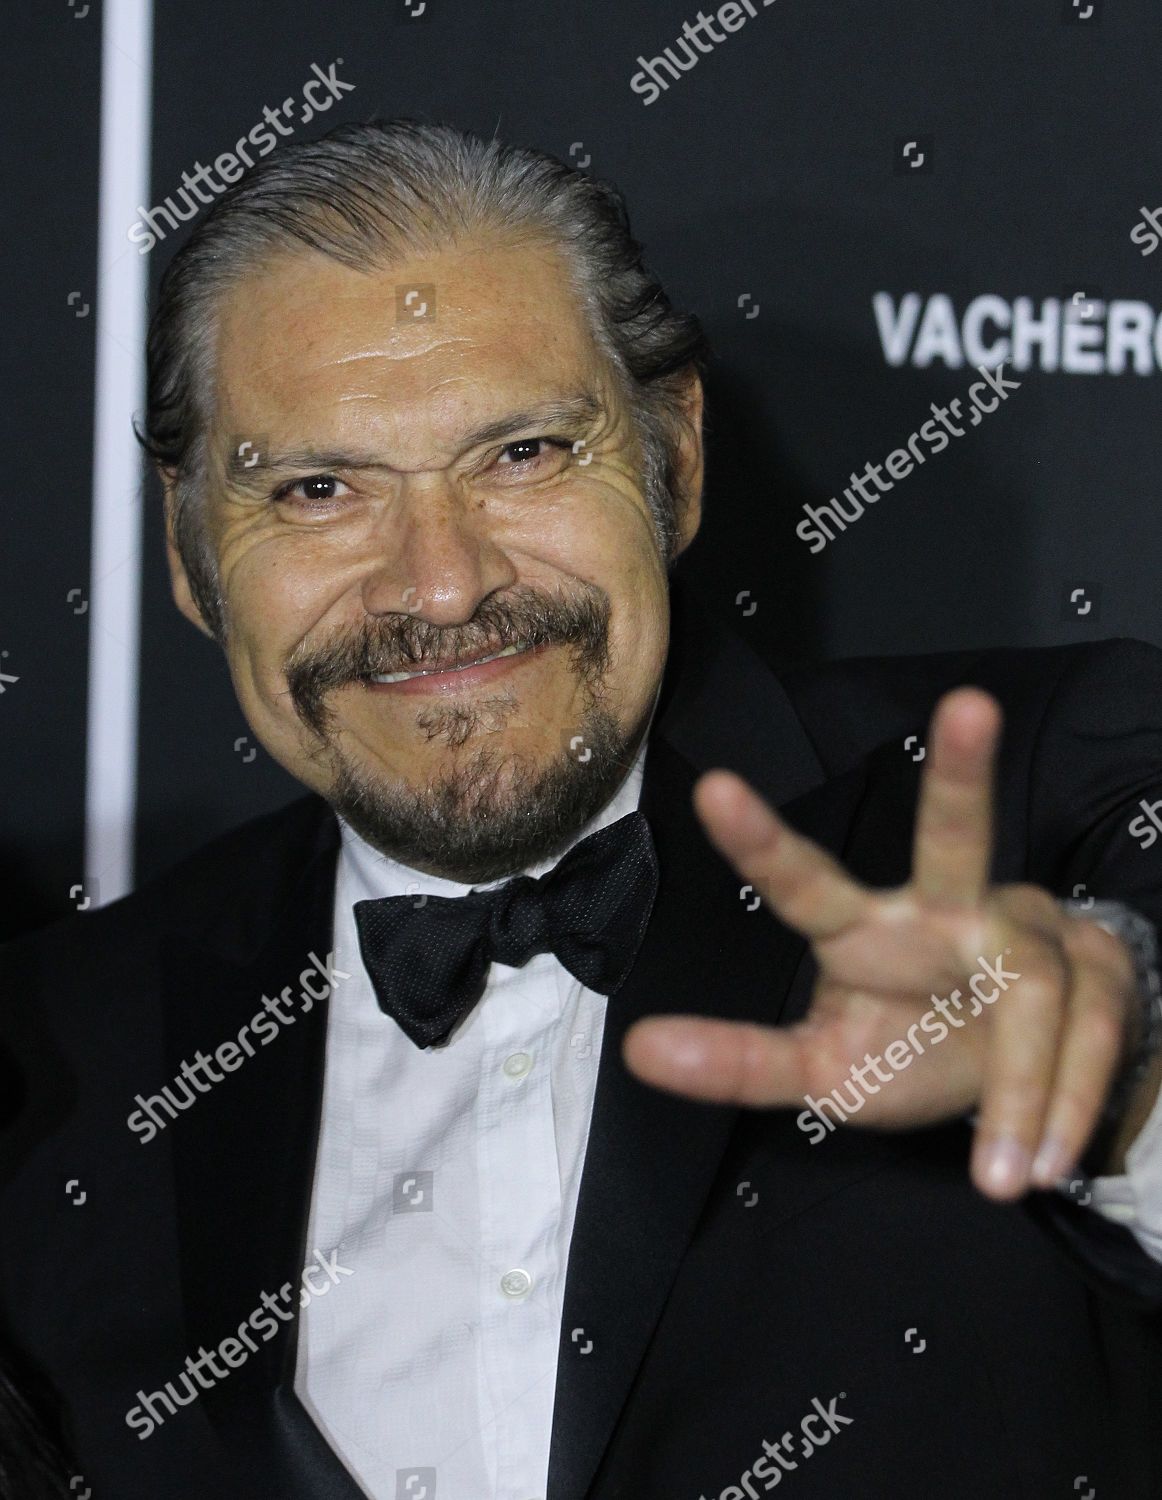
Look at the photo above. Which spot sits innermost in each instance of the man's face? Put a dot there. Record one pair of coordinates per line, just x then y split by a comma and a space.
373, 527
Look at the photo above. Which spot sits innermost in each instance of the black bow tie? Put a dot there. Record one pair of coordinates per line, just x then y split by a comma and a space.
428, 959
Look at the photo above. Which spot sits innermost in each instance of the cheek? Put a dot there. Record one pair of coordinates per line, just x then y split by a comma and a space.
276, 594
606, 538
601, 533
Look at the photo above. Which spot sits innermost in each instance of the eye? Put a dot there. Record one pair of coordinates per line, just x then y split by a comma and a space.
525, 454
316, 489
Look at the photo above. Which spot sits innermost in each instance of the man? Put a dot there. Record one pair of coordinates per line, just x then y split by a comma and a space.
389, 1185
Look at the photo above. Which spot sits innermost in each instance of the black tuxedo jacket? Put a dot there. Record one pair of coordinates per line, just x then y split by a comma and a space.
728, 1276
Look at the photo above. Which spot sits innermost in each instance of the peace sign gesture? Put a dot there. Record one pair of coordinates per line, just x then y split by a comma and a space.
932, 999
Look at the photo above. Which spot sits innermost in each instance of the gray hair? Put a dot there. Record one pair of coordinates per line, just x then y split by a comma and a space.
367, 193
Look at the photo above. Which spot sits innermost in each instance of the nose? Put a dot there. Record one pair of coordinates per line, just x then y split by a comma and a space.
435, 556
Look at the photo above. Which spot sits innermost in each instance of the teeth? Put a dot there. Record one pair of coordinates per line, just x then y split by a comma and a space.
403, 676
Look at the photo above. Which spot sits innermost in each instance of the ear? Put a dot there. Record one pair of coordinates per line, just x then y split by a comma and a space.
179, 579
690, 465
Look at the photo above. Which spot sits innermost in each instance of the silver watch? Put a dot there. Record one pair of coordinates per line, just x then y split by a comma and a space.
1138, 933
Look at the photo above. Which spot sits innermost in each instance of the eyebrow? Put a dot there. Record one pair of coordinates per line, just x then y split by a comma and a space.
569, 411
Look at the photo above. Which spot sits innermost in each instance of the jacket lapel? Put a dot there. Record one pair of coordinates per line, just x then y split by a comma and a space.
244, 1151
653, 1157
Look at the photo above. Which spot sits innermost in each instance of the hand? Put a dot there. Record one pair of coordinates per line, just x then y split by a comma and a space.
1034, 1003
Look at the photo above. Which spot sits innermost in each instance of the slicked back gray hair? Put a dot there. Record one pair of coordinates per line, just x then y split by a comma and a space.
368, 194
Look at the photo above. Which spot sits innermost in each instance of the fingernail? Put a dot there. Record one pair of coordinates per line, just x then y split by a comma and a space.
1052, 1161
1005, 1165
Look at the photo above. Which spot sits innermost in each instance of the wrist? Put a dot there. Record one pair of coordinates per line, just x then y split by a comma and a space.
1136, 1082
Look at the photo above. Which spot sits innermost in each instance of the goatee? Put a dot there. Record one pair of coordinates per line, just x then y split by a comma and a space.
493, 812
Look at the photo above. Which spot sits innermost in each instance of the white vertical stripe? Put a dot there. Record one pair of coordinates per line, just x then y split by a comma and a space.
115, 579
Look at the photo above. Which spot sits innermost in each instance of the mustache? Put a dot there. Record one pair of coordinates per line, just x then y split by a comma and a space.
403, 643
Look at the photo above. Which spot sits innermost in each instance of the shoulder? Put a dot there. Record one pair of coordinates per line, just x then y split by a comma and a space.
254, 861
851, 706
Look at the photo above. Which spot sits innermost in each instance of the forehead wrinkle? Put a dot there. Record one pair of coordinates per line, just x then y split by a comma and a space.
438, 341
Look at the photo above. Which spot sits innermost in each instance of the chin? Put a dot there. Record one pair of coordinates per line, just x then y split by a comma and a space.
490, 810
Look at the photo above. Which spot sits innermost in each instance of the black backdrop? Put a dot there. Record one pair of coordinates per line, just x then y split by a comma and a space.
817, 161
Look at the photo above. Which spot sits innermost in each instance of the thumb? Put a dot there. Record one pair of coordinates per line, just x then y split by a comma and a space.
724, 1062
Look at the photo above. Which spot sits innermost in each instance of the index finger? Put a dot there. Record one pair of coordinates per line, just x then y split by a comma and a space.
953, 840
801, 882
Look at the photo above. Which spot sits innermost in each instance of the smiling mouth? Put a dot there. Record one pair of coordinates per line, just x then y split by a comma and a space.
443, 671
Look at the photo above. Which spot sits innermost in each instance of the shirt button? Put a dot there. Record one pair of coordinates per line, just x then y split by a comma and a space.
517, 1065
515, 1283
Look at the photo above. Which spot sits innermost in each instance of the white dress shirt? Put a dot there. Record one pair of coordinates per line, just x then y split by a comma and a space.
447, 1181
